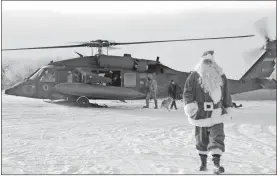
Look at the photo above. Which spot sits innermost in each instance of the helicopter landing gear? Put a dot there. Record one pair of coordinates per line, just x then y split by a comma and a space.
71, 99
83, 101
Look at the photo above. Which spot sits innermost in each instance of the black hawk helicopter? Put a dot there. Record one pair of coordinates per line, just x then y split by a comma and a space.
107, 77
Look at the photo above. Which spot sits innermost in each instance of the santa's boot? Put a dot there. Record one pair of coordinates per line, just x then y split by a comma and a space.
203, 166
147, 104
217, 168
156, 104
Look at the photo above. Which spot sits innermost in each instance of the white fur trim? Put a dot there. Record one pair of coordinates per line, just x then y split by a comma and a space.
230, 112
202, 152
191, 109
216, 118
215, 151
216, 94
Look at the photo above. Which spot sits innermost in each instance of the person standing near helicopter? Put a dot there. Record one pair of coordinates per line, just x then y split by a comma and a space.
207, 102
151, 90
172, 92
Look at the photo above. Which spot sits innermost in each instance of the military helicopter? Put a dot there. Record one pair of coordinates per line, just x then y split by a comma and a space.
108, 77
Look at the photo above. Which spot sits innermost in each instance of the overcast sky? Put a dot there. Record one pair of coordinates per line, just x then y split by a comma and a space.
29, 24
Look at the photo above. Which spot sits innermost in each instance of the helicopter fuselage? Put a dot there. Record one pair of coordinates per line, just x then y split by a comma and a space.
91, 72
93, 77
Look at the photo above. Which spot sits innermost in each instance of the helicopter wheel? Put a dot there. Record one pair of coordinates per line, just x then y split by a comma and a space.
83, 100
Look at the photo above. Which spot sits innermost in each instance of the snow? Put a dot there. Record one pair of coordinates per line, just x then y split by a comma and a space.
48, 138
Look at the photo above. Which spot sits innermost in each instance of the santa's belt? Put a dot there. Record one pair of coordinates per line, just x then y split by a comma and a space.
210, 106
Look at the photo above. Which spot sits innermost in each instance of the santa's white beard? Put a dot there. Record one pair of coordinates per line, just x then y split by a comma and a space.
210, 79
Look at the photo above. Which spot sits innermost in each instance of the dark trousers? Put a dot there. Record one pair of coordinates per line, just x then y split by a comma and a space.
210, 139
173, 104
151, 95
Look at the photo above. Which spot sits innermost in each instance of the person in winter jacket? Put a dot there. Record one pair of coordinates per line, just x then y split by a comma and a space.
172, 92
207, 102
151, 90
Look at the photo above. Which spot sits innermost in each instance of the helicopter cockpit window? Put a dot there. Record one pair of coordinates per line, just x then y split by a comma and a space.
36, 74
48, 76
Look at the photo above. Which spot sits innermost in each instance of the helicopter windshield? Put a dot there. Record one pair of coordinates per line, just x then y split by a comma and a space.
48, 76
36, 74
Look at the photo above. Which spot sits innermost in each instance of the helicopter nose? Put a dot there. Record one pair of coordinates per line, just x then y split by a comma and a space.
14, 90
10, 91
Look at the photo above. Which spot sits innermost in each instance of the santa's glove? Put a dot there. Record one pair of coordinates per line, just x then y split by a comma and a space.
191, 109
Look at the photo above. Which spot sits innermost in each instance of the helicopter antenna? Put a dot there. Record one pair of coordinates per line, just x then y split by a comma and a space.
79, 54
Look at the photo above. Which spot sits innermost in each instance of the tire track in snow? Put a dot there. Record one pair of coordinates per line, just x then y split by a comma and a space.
269, 130
241, 130
254, 147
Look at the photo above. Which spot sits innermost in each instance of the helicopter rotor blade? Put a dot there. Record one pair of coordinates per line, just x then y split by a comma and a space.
62, 46
262, 27
87, 42
113, 48
77, 42
105, 43
46, 47
160, 41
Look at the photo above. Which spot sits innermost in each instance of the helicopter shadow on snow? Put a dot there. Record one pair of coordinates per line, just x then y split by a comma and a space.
112, 106
75, 104
119, 106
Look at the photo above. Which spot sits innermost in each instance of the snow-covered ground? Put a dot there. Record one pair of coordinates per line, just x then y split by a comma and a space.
45, 138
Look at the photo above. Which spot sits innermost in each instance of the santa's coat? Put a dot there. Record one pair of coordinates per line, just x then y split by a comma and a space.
209, 127
194, 98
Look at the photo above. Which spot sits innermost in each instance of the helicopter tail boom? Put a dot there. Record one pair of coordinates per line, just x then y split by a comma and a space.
264, 67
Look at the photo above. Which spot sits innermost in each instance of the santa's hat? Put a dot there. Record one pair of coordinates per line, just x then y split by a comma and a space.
208, 55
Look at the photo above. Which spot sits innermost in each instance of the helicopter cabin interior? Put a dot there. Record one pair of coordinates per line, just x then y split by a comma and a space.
106, 77
117, 78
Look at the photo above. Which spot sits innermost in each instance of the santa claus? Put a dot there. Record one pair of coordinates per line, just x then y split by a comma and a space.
207, 102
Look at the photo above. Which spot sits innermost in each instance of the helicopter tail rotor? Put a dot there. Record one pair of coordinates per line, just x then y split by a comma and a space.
262, 28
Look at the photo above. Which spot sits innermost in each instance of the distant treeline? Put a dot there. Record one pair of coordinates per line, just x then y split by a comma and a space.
14, 70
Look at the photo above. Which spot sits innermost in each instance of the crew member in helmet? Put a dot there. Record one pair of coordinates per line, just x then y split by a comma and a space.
69, 77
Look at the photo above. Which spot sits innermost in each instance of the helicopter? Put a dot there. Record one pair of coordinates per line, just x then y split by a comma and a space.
93, 77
